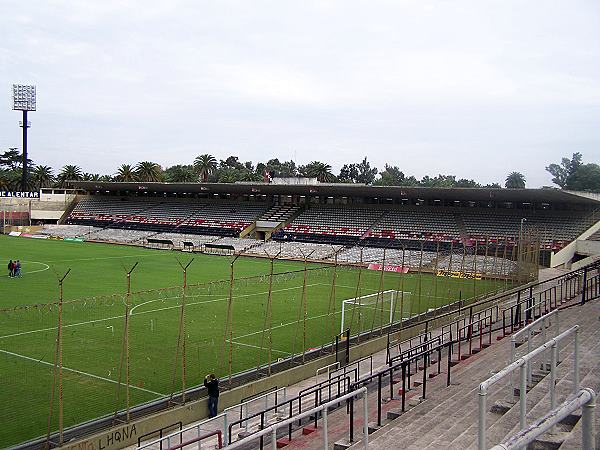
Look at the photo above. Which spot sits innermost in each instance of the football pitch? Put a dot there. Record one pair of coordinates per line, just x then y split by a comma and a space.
305, 313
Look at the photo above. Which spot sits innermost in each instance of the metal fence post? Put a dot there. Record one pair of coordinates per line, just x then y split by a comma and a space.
366, 422
576, 362
379, 400
553, 376
545, 358
584, 283
481, 426
325, 439
587, 422
523, 396
274, 439
528, 363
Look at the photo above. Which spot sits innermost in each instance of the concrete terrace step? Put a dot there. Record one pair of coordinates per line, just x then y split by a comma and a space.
538, 396
590, 377
451, 414
435, 412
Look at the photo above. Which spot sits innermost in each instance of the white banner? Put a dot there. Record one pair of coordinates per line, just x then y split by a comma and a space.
16, 194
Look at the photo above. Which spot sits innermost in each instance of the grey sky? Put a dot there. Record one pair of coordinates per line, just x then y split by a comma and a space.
474, 88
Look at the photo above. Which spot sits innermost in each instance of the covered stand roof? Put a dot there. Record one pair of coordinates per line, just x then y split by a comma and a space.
548, 195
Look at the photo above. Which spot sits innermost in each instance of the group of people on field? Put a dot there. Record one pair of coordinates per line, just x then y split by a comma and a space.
14, 268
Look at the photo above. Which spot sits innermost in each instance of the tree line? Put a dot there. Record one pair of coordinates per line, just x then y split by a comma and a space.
570, 173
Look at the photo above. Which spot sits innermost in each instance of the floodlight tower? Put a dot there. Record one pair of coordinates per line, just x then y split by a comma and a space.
24, 100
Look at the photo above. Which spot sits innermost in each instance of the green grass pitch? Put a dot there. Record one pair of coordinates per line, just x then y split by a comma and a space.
93, 328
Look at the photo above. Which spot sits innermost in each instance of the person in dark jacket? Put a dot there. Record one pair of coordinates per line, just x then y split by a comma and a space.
212, 385
10, 268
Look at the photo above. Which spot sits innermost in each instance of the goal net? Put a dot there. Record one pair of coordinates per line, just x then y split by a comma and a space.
374, 310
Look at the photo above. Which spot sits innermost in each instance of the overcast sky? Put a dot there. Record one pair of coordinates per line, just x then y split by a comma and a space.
473, 88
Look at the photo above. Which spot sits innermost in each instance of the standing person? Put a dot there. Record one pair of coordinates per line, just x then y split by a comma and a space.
18, 268
212, 385
10, 268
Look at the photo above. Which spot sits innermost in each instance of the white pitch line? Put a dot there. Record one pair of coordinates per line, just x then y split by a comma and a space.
79, 372
64, 326
108, 257
283, 325
256, 346
211, 301
139, 313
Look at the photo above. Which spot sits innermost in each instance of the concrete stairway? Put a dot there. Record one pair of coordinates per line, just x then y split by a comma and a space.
448, 417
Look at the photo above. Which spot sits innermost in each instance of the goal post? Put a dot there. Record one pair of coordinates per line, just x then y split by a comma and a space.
376, 303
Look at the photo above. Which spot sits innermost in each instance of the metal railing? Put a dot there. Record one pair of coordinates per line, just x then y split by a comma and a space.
521, 365
160, 433
354, 367
313, 393
326, 369
323, 409
400, 344
198, 428
405, 365
528, 331
221, 420
244, 406
584, 399
198, 440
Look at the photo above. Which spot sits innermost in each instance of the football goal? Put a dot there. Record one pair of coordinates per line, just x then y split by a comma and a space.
379, 308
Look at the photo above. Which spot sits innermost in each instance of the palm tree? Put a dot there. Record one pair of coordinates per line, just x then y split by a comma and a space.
148, 171
126, 173
68, 173
205, 165
321, 171
90, 177
515, 180
43, 176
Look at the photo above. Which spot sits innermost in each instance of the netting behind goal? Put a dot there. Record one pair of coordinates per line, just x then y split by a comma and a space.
372, 311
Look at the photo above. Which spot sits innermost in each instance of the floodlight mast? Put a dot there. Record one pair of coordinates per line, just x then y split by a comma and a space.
24, 99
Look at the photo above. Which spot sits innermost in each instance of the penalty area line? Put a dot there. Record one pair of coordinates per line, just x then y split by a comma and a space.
79, 372
283, 325
256, 346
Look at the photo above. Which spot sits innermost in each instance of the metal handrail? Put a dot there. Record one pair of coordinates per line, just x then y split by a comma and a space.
245, 404
521, 364
323, 408
529, 328
200, 438
345, 382
584, 399
222, 416
179, 433
349, 369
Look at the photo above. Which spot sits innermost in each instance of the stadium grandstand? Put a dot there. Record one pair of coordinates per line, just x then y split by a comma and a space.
339, 214
511, 367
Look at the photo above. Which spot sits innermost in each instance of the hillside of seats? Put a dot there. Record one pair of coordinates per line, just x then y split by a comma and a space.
222, 218
432, 228
436, 227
